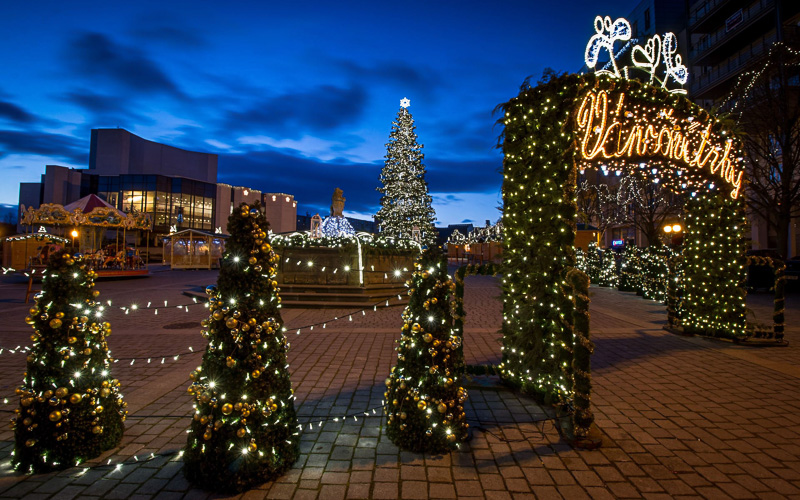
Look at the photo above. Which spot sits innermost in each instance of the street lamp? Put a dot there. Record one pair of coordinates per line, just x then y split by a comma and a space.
74, 235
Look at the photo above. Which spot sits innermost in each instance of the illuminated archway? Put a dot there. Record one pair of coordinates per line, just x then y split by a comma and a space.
572, 122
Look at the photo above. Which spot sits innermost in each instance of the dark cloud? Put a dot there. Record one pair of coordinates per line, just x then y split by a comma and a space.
392, 72
311, 181
467, 176
106, 110
318, 109
43, 143
95, 56
181, 38
12, 112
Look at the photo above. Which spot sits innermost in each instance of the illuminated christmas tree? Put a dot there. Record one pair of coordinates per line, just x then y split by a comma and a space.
593, 262
607, 274
405, 203
71, 409
424, 396
244, 430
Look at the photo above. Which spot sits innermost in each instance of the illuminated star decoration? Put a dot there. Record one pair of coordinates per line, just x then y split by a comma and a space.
405, 102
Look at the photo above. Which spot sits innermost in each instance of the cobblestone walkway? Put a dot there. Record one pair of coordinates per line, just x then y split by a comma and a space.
681, 417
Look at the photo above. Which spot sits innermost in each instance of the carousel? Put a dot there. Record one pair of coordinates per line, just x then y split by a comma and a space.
87, 224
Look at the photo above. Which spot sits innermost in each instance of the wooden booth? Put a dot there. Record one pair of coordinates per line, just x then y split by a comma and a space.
193, 249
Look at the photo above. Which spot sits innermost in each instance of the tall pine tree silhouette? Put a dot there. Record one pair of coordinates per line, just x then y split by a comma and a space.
71, 409
405, 204
244, 430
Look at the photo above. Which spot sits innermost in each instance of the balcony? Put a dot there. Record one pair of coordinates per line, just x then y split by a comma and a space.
701, 85
708, 43
704, 11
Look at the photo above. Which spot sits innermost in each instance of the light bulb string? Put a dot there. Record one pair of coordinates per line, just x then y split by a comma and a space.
175, 357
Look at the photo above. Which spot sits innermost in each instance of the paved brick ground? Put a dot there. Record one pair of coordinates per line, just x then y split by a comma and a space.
681, 417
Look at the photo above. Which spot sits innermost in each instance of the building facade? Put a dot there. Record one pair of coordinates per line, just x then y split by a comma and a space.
728, 38
178, 188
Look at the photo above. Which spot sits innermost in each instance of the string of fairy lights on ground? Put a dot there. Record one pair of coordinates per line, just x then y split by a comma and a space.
175, 357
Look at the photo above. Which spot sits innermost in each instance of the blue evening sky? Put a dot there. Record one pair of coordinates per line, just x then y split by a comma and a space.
294, 97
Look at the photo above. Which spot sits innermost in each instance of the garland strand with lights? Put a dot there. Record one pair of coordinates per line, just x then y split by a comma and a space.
582, 349
71, 409
243, 431
675, 290
424, 395
779, 304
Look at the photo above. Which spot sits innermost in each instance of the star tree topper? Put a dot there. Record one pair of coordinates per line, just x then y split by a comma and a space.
405, 102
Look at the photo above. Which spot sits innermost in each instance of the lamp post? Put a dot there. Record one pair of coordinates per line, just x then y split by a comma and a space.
74, 234
673, 231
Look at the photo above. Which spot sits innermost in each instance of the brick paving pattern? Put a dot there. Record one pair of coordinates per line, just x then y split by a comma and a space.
680, 417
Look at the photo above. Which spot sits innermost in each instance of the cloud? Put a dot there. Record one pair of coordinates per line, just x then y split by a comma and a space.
158, 31
391, 72
317, 109
95, 56
43, 143
12, 112
468, 176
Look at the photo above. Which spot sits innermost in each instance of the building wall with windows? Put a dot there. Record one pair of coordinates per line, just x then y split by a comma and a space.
175, 186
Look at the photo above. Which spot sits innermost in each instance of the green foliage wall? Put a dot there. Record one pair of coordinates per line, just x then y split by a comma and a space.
539, 177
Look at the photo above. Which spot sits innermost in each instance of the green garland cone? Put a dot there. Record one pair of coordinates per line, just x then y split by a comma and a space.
424, 396
244, 431
71, 409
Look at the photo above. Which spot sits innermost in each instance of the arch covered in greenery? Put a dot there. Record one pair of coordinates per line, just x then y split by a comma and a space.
572, 122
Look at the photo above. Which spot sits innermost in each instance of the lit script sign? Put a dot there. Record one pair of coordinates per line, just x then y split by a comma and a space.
610, 130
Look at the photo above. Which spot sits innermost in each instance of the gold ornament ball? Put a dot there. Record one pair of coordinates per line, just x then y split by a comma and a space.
241, 432
29, 320
256, 373
55, 416
428, 338
97, 429
442, 408
252, 261
451, 437
55, 323
61, 392
30, 443
75, 398
252, 447
60, 315
227, 409
422, 405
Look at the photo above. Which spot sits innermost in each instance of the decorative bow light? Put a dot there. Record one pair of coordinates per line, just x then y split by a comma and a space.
649, 58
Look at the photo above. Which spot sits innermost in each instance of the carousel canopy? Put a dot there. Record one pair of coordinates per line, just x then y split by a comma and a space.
89, 203
88, 211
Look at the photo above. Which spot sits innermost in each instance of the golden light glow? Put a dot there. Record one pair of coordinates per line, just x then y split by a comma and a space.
667, 229
74, 233
618, 131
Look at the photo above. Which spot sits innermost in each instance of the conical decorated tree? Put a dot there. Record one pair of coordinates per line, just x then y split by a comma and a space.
71, 409
405, 204
244, 430
424, 396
